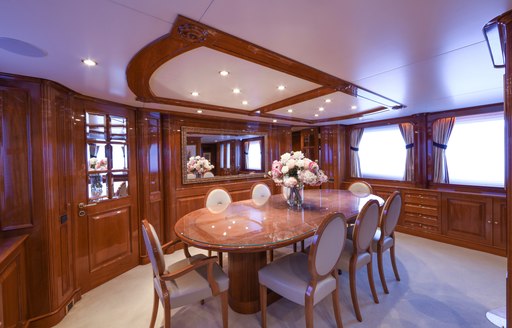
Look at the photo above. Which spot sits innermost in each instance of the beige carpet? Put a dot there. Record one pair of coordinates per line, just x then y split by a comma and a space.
442, 286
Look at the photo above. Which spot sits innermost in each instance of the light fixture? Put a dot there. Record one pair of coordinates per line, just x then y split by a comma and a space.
316, 115
194, 93
274, 121
494, 32
281, 87
368, 95
89, 62
327, 100
321, 109
236, 91
258, 111
353, 107
224, 73
290, 110
199, 111
245, 102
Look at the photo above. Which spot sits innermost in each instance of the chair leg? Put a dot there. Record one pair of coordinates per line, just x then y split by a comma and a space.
393, 262
155, 309
209, 253
369, 270
271, 255
263, 305
295, 247
220, 259
353, 290
336, 304
381, 270
309, 311
302, 246
224, 303
167, 314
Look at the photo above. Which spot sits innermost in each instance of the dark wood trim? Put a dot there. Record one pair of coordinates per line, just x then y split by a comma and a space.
54, 317
484, 109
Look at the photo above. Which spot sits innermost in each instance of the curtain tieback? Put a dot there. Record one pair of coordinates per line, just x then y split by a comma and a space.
438, 145
409, 146
354, 148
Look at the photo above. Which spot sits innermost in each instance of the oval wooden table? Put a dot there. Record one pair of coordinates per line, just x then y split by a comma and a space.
246, 231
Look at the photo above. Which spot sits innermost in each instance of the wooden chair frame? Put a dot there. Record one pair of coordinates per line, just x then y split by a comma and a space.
220, 255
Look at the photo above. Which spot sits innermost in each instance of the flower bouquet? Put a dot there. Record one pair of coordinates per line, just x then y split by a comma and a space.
198, 165
97, 163
293, 171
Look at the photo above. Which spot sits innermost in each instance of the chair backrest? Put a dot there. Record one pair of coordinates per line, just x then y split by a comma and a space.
360, 188
208, 175
260, 193
327, 245
191, 176
390, 214
155, 253
366, 225
217, 200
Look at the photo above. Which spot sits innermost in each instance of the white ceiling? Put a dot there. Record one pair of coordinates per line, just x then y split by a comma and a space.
428, 55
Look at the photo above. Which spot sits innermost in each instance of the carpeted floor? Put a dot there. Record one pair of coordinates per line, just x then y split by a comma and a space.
442, 286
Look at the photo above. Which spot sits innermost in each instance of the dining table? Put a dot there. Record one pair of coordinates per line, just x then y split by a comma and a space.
247, 229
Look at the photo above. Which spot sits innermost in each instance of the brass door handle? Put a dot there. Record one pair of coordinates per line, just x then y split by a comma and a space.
82, 205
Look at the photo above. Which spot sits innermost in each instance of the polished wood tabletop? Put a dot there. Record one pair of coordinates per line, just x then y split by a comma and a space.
246, 227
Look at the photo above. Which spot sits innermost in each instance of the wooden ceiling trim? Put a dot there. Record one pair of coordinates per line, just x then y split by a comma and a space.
350, 116
308, 95
197, 105
287, 118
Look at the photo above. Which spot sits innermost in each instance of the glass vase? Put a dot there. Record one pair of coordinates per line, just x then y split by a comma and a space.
294, 196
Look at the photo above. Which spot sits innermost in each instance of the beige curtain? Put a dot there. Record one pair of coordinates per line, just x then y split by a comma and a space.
355, 139
407, 130
441, 131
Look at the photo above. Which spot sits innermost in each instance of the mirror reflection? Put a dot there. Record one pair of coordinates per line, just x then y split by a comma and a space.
214, 154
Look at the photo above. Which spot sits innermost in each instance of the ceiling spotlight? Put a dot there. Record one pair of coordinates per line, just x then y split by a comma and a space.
224, 73
327, 100
89, 62
245, 102
274, 121
258, 111
316, 115
199, 111
321, 109
281, 87
236, 91
194, 93
354, 107
290, 110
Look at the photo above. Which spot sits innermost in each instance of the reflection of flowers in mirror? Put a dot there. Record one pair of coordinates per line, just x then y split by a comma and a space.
198, 165
294, 169
97, 163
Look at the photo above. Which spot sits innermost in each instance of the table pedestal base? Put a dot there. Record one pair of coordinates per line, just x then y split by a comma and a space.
244, 292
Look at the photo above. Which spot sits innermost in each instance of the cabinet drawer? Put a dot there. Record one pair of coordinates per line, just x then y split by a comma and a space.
420, 209
420, 218
424, 199
420, 226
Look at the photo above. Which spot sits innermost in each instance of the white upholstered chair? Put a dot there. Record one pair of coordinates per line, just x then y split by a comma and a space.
187, 281
208, 175
384, 238
260, 193
358, 251
304, 278
216, 201
361, 188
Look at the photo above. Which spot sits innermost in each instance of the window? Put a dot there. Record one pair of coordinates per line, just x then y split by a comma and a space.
253, 155
382, 153
221, 155
475, 152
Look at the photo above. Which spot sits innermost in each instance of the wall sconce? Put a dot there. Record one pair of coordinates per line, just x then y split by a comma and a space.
494, 33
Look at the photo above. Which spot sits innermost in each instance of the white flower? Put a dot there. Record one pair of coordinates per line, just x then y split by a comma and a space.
284, 158
290, 164
300, 163
285, 169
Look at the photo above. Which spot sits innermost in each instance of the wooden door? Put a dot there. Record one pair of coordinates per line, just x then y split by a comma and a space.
499, 221
105, 202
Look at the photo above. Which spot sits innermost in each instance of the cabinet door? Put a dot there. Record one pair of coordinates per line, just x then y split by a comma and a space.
467, 217
499, 223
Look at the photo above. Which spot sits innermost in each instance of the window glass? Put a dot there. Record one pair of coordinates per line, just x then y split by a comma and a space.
253, 157
382, 153
228, 155
475, 152
221, 156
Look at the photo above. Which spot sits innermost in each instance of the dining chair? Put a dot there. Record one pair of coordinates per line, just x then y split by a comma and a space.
306, 279
358, 251
361, 188
216, 201
384, 237
208, 175
190, 280
260, 193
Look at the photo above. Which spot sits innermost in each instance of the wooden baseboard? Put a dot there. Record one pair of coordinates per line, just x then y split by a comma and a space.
53, 318
453, 241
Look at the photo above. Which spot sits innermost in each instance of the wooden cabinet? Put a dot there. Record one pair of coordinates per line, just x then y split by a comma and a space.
309, 143
499, 223
421, 210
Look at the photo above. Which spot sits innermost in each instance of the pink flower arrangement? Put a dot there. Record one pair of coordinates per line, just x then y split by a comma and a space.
198, 165
97, 163
293, 169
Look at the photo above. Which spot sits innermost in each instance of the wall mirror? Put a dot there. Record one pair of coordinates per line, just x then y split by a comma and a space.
218, 154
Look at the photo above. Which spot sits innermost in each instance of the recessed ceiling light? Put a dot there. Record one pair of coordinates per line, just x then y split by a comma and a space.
327, 100
258, 111
316, 115
199, 111
354, 107
290, 110
274, 121
245, 102
281, 87
224, 73
236, 91
321, 109
89, 62
194, 93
